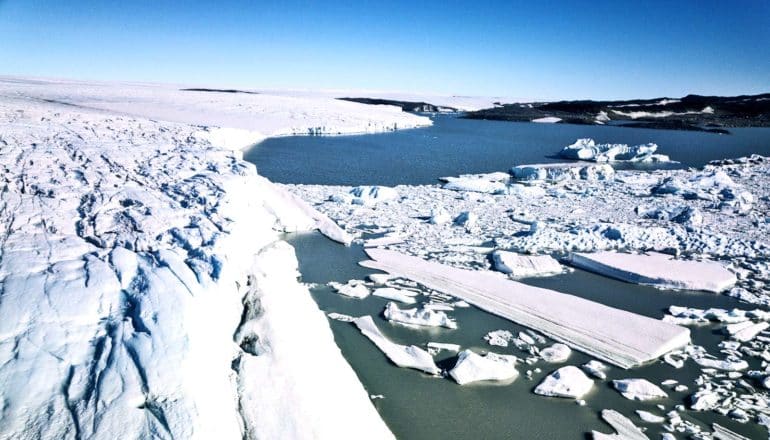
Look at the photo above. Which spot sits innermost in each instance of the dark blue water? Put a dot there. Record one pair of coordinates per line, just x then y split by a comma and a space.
455, 146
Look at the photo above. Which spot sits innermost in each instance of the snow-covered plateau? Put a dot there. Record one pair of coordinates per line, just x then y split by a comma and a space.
144, 289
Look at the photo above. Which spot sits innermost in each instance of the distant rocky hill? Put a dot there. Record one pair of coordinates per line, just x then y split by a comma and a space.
692, 112
407, 106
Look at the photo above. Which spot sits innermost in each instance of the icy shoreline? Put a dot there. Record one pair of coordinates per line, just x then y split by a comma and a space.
145, 291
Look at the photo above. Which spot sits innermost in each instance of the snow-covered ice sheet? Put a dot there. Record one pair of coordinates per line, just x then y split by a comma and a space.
658, 270
622, 338
143, 291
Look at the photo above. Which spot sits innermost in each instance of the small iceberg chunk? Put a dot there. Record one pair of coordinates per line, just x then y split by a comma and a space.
467, 219
638, 389
556, 353
722, 364
405, 356
439, 217
492, 183
352, 289
401, 295
649, 417
523, 266
547, 120
558, 172
435, 347
704, 400
569, 381
471, 367
500, 338
595, 369
426, 317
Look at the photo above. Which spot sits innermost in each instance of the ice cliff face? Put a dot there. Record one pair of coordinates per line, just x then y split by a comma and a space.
143, 292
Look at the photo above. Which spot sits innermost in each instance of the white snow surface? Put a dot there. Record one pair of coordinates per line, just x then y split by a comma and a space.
472, 367
657, 269
144, 292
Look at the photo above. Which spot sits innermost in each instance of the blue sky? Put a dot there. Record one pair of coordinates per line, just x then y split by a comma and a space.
538, 49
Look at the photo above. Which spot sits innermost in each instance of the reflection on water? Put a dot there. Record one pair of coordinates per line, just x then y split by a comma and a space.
423, 407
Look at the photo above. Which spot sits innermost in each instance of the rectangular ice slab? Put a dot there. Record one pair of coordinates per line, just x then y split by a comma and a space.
658, 270
616, 336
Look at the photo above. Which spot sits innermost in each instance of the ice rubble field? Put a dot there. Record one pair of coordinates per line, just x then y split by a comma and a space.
717, 215
143, 289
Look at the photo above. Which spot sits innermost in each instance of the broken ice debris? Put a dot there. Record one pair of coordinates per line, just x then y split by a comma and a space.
638, 389
556, 353
409, 356
420, 316
650, 417
500, 338
567, 381
657, 269
472, 367
617, 336
523, 266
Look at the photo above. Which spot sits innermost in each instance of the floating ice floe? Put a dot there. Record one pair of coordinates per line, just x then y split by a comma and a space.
638, 389
523, 266
587, 149
746, 331
595, 369
557, 172
492, 183
649, 417
556, 353
405, 356
367, 195
624, 428
704, 400
401, 295
658, 270
419, 316
352, 289
722, 364
617, 336
472, 367
567, 381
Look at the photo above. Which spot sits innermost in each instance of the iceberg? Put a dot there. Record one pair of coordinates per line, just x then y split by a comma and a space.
523, 266
424, 316
658, 270
558, 172
638, 389
619, 337
352, 289
367, 195
587, 149
556, 353
595, 369
406, 356
472, 367
567, 381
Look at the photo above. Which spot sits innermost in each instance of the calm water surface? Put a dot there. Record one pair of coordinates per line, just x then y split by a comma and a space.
418, 406
455, 146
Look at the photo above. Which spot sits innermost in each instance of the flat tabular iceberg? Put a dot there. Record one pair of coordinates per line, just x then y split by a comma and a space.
657, 269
